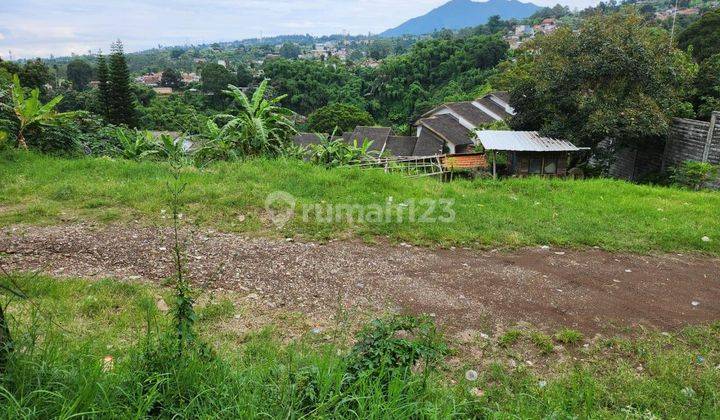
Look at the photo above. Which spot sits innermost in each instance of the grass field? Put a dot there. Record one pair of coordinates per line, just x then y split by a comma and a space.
67, 327
613, 215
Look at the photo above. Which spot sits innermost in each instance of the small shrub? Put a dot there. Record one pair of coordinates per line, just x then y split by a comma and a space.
694, 175
394, 344
568, 336
510, 338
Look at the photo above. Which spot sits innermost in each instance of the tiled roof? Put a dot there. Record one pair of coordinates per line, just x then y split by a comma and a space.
448, 128
378, 136
428, 144
494, 108
400, 145
470, 113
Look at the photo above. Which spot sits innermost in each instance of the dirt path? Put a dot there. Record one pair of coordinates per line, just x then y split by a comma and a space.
590, 290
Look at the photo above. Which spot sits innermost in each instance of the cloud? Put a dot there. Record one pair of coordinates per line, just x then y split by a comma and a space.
76, 26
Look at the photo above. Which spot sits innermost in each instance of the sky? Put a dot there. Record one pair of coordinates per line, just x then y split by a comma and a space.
40, 28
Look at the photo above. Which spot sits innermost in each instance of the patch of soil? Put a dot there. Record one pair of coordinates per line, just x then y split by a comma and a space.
590, 290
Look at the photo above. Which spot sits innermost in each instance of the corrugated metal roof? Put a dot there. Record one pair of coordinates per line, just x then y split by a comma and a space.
523, 141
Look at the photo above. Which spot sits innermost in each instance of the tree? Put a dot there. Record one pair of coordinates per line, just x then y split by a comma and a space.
215, 78
104, 85
703, 35
30, 112
79, 72
615, 78
379, 49
340, 117
707, 87
290, 50
35, 74
244, 76
262, 127
171, 78
121, 109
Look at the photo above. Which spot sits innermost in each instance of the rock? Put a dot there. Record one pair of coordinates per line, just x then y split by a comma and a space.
628, 271
545, 247
253, 296
237, 316
162, 306
542, 384
695, 303
559, 253
484, 336
241, 218
706, 239
316, 330
471, 375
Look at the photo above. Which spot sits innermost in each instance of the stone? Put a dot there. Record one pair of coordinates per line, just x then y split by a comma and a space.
471, 375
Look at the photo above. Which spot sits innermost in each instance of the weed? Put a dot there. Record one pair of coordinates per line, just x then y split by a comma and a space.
543, 342
509, 338
569, 336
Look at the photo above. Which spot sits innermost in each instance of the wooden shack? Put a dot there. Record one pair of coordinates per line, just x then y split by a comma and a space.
529, 154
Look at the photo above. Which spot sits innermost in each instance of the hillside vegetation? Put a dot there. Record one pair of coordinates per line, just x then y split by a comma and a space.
614, 215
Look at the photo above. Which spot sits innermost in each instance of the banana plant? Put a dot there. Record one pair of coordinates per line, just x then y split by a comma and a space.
261, 126
30, 111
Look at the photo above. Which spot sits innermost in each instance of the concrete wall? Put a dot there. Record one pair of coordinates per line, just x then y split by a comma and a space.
693, 140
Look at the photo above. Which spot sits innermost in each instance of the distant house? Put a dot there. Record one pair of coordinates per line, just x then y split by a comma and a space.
548, 25
163, 90
190, 78
222, 63
528, 152
523, 31
150, 79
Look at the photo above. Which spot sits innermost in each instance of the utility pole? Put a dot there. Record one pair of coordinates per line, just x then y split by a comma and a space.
672, 31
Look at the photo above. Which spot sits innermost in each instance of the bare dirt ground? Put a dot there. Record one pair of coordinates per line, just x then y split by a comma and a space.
590, 290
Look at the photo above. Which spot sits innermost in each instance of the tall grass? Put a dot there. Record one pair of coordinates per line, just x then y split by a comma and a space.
62, 338
611, 214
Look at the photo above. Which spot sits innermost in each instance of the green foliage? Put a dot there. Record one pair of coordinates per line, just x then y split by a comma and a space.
135, 145
332, 153
339, 118
487, 214
244, 76
171, 78
615, 78
80, 73
543, 342
695, 175
569, 336
509, 338
171, 113
703, 36
104, 87
310, 85
216, 78
31, 113
261, 126
121, 108
707, 87
395, 343
290, 50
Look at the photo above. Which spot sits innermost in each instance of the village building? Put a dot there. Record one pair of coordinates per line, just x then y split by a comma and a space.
528, 152
150, 79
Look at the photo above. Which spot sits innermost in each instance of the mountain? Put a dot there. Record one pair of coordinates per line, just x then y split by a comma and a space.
458, 14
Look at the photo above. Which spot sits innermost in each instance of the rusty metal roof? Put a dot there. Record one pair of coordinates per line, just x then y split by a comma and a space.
523, 141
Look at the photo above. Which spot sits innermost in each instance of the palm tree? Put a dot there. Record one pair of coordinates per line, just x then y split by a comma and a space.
30, 111
261, 126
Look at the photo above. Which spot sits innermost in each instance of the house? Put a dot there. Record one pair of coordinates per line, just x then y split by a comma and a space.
524, 31
492, 107
450, 127
190, 78
528, 152
163, 90
150, 79
548, 25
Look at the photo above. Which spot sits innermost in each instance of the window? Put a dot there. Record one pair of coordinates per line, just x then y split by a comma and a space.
550, 166
535, 166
